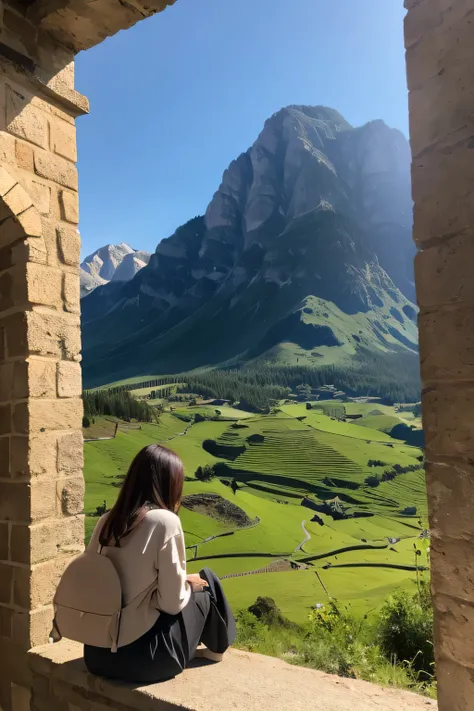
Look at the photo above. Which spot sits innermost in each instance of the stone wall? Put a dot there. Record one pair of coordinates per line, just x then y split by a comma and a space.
41, 481
440, 57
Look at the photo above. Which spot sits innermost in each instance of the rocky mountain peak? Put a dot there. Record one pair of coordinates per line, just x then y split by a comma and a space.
113, 262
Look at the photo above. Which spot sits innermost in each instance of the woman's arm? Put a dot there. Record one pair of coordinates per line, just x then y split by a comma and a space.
173, 589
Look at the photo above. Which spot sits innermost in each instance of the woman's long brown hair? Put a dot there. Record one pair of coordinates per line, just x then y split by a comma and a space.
156, 477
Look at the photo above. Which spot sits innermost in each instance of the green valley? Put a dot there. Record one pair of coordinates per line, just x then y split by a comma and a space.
301, 505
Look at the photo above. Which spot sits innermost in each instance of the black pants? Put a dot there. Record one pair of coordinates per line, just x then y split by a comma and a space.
166, 649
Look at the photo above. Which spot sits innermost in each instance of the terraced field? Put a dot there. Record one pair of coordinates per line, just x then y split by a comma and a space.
294, 471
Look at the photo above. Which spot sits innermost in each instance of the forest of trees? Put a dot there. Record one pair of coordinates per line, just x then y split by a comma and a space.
117, 404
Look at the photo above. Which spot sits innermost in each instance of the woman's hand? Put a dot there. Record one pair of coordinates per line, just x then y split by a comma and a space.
197, 583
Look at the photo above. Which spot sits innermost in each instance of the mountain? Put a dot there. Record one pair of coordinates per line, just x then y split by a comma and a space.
114, 262
304, 255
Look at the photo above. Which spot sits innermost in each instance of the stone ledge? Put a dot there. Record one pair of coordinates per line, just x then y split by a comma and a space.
250, 682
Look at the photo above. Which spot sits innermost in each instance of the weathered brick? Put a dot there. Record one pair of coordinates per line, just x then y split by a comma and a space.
7, 149
43, 499
69, 245
443, 274
70, 452
40, 627
34, 455
450, 176
30, 222
10, 290
69, 206
15, 332
21, 587
6, 622
41, 195
56, 168
41, 378
24, 156
25, 120
44, 284
31, 249
453, 326
6, 583
20, 543
7, 181
6, 381
4, 541
71, 293
44, 580
53, 335
70, 493
48, 415
5, 457
447, 416
454, 619
14, 502
452, 569
63, 139
69, 379
5, 419
16, 200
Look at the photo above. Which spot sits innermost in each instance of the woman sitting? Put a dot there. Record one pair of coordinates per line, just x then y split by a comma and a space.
172, 613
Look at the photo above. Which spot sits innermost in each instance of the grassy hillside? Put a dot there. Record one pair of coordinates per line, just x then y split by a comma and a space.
277, 463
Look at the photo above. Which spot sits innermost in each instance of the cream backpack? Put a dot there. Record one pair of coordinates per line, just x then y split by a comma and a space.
89, 613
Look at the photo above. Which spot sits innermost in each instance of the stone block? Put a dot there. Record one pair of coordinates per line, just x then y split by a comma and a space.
14, 501
44, 580
446, 45
41, 195
69, 246
4, 457
21, 698
451, 562
34, 455
20, 543
70, 452
7, 181
454, 619
32, 249
63, 139
5, 419
16, 200
6, 622
454, 685
4, 541
430, 126
44, 285
438, 328
41, 378
40, 627
447, 418
24, 156
71, 293
21, 587
43, 499
69, 204
56, 168
70, 493
15, 332
49, 415
443, 274
7, 149
29, 222
442, 187
6, 380
6, 583
53, 335
26, 120
69, 379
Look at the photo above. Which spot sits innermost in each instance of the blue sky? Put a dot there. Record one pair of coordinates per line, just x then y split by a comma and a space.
177, 97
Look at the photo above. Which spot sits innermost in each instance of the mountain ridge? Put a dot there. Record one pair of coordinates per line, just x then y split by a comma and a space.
110, 263
313, 220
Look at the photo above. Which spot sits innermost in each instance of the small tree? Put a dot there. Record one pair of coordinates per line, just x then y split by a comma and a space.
205, 473
86, 422
309, 406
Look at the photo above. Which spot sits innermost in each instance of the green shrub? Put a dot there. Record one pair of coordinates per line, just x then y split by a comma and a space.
405, 631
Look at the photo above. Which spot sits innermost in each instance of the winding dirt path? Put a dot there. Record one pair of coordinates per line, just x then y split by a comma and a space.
299, 547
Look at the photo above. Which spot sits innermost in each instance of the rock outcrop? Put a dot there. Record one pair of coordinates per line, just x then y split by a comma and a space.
303, 255
111, 263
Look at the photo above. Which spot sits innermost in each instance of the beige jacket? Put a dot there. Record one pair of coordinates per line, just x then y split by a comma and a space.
151, 564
